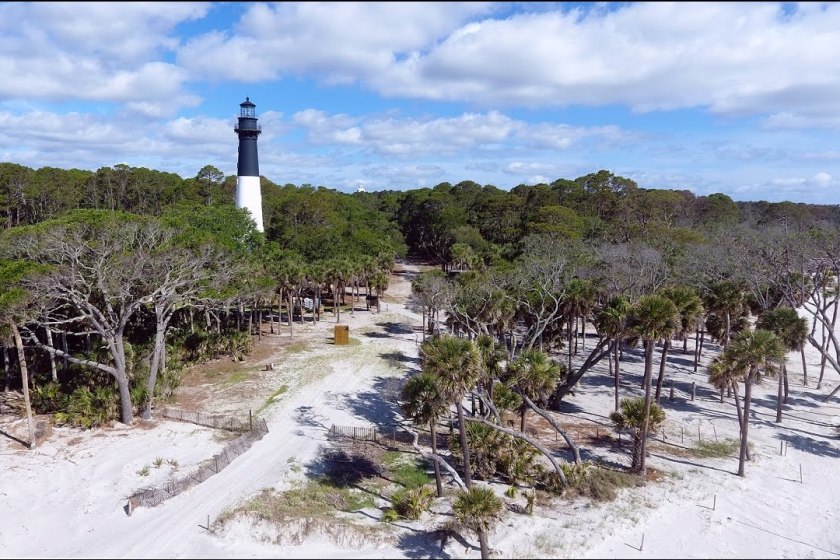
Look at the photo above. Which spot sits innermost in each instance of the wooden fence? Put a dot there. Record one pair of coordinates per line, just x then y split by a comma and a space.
228, 423
151, 497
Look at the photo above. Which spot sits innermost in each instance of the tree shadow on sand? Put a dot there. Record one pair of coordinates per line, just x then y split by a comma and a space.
424, 544
393, 328
380, 405
810, 445
397, 356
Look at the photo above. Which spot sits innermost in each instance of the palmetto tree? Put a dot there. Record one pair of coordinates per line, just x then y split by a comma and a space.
612, 322
457, 365
745, 358
689, 306
423, 403
577, 303
792, 329
727, 299
653, 317
531, 374
478, 509
632, 416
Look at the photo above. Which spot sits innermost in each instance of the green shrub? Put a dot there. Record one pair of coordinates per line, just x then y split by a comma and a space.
412, 502
389, 516
88, 409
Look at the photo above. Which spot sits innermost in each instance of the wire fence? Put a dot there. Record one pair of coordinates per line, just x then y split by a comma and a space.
151, 497
389, 434
228, 423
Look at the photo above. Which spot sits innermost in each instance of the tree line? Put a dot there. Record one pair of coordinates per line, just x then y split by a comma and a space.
113, 279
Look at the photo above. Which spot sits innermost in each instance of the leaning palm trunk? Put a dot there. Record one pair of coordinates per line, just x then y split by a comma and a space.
24, 378
555, 425
533, 442
437, 459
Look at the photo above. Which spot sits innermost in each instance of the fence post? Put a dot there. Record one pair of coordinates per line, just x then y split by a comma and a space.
250, 420
671, 396
699, 438
693, 389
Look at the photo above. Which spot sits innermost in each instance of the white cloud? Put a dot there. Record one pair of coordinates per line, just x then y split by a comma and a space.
338, 41
491, 131
95, 51
732, 58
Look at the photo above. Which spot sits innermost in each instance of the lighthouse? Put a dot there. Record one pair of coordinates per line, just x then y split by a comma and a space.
248, 193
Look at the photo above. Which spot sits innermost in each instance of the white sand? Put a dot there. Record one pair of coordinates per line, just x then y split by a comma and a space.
66, 498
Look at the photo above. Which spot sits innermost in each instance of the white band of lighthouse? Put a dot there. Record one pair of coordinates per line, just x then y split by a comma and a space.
249, 195
248, 192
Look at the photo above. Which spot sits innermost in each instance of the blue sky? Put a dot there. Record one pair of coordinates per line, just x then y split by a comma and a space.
738, 98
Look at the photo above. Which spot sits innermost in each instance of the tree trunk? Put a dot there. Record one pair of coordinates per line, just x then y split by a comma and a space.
642, 470
696, 349
24, 374
726, 332
787, 388
780, 396
465, 450
556, 426
804, 367
636, 462
7, 368
569, 369
438, 484
523, 410
423, 309
745, 428
662, 362
290, 310
53, 370
482, 541
617, 370
740, 414
157, 364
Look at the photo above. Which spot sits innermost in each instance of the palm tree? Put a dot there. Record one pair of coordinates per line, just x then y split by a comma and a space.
457, 365
492, 360
612, 322
478, 509
423, 403
726, 299
577, 303
749, 353
531, 374
689, 306
632, 415
792, 329
654, 317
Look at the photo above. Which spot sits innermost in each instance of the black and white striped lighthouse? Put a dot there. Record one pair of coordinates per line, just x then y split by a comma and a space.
248, 193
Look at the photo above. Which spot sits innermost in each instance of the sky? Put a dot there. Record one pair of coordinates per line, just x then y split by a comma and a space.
712, 97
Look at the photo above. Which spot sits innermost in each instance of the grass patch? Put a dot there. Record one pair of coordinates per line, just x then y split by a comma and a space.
716, 449
316, 499
598, 483
144, 471
273, 397
236, 377
406, 470
297, 347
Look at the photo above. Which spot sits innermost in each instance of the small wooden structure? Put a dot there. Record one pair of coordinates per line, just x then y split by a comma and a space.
341, 334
